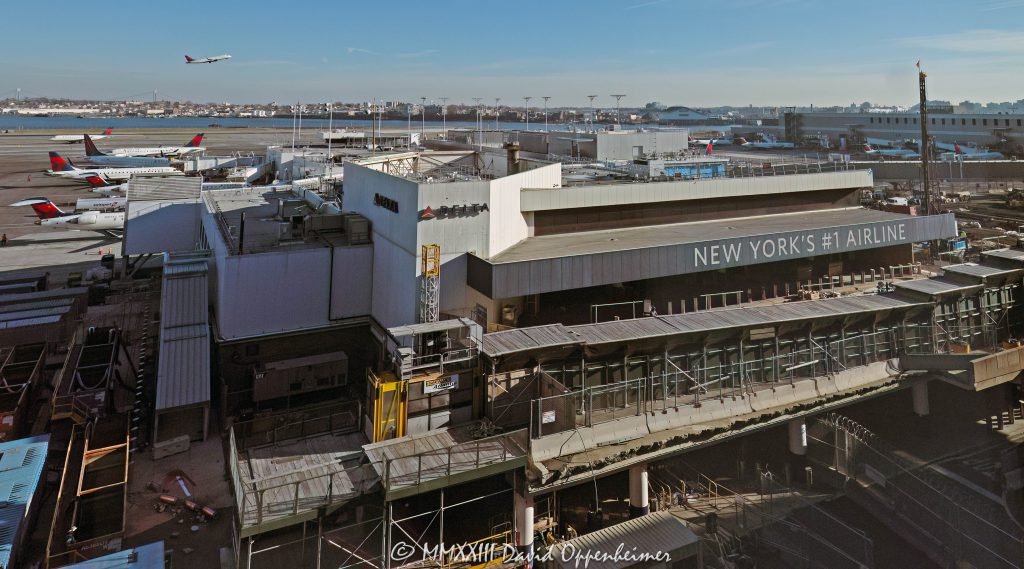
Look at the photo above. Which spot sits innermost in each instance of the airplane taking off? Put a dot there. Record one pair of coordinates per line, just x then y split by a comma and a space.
94, 155
765, 145
51, 217
890, 152
64, 168
191, 147
73, 138
206, 59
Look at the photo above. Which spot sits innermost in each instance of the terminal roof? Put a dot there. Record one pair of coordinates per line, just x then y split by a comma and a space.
591, 242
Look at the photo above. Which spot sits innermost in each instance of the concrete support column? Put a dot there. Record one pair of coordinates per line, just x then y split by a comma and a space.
798, 437
919, 391
524, 527
639, 503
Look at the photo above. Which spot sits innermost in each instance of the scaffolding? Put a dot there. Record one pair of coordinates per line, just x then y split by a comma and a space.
430, 269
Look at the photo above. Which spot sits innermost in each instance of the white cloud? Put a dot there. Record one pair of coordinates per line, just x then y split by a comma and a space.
1002, 5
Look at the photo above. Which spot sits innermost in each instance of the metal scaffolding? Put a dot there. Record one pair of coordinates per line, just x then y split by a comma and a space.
430, 269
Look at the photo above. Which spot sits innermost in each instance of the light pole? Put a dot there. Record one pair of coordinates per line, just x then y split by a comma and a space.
479, 124
423, 119
527, 99
591, 97
408, 112
444, 117
617, 99
545, 113
497, 112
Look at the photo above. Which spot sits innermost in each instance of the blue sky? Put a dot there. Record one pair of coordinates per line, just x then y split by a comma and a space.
690, 52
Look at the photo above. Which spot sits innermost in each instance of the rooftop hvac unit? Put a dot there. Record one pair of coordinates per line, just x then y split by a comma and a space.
324, 223
286, 208
358, 229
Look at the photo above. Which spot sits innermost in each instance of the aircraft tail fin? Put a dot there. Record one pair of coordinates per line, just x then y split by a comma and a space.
90, 147
96, 182
188, 59
60, 164
196, 140
108, 130
44, 208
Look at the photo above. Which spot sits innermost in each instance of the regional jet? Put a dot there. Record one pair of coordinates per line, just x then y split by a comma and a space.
96, 156
73, 138
770, 145
64, 168
206, 59
890, 152
51, 217
191, 147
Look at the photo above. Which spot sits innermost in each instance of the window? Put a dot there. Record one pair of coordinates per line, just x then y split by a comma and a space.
1006, 122
974, 122
915, 120
295, 386
905, 120
323, 381
872, 120
984, 122
943, 121
252, 350
887, 120
933, 120
1018, 122
963, 122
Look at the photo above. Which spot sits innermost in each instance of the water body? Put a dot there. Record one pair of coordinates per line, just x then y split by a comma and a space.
97, 124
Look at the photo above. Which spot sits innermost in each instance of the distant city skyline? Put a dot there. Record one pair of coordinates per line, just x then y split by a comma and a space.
677, 52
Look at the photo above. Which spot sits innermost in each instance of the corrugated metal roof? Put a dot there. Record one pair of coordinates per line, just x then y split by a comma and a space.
936, 286
1012, 254
657, 532
427, 327
43, 295
6, 316
649, 236
51, 303
977, 270
183, 366
164, 188
149, 556
30, 322
21, 465
523, 339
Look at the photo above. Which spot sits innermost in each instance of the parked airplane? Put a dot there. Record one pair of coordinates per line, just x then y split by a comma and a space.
769, 145
73, 138
705, 141
190, 147
101, 186
95, 156
206, 59
51, 216
890, 152
64, 168
966, 152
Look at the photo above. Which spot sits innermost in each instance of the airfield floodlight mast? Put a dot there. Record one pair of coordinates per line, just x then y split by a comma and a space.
527, 100
545, 112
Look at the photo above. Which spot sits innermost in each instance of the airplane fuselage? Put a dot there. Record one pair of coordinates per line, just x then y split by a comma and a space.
86, 221
163, 151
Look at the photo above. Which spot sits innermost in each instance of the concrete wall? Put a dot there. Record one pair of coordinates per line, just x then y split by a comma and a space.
619, 145
161, 227
539, 198
395, 251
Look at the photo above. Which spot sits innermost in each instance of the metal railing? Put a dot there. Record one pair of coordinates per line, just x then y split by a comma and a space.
405, 471
337, 418
962, 524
